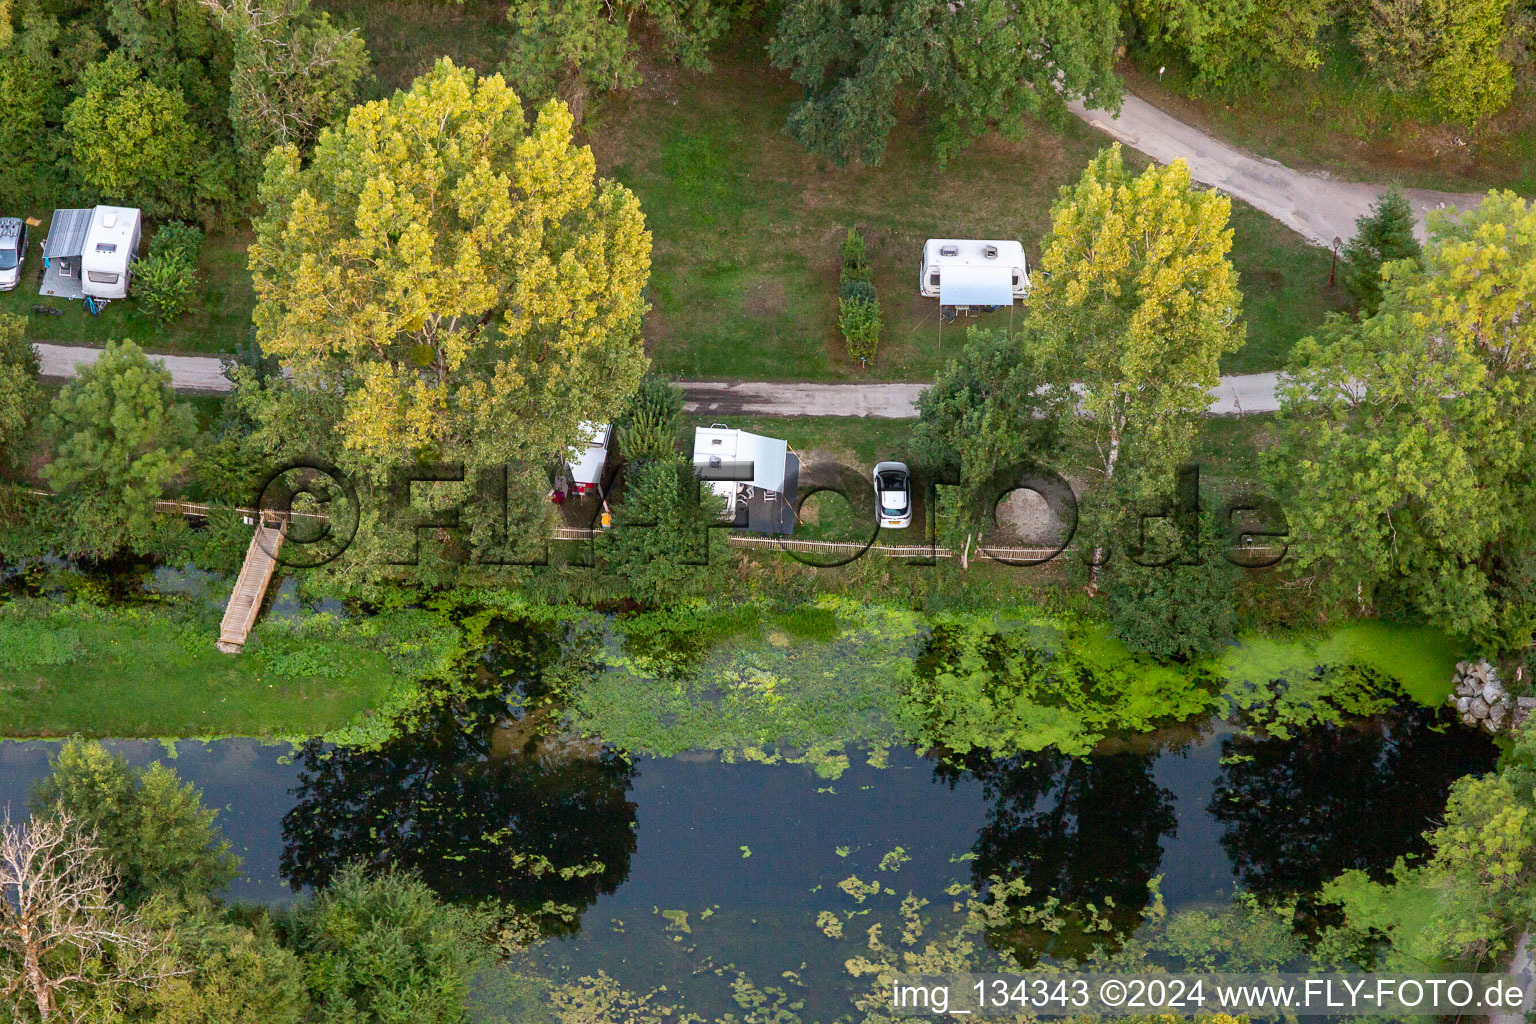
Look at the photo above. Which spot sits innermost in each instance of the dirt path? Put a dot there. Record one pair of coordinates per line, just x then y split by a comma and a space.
1254, 392
193, 374
1315, 206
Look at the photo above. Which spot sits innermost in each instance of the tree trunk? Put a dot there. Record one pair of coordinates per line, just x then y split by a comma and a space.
1110, 463
39, 986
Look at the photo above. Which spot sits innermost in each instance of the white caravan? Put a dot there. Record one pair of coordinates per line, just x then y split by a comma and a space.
724, 452
586, 472
106, 259
973, 272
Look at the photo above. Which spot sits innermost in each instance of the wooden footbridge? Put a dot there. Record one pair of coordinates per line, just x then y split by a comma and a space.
251, 585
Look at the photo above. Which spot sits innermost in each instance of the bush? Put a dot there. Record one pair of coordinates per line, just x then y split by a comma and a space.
649, 427
855, 257
163, 283
178, 239
859, 320
858, 305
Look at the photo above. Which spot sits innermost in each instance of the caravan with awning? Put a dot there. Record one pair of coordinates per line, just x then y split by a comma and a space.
972, 272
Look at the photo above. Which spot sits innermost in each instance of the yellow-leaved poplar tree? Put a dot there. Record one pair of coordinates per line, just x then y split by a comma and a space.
463, 282
1136, 306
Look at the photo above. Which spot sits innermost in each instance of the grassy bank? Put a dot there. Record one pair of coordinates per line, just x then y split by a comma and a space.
151, 670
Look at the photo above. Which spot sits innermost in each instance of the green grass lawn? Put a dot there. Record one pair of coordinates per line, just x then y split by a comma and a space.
152, 670
220, 317
405, 38
746, 228
1336, 118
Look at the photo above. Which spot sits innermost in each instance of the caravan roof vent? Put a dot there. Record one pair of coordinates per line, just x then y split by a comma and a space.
949, 250
109, 220
990, 251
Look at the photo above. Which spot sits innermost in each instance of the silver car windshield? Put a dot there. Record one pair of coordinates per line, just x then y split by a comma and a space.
7, 259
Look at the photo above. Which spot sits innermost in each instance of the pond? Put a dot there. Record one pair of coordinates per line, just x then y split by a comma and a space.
690, 864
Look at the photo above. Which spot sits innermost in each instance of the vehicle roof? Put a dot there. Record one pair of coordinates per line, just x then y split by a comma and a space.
972, 253
10, 227
590, 460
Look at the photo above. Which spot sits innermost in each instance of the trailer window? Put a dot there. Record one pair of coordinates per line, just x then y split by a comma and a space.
98, 277
933, 279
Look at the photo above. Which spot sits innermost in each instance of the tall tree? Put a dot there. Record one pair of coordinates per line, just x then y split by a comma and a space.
131, 140
68, 952
1136, 305
972, 65
1403, 461
293, 71
1381, 236
121, 437
986, 414
19, 391
153, 828
1238, 45
465, 283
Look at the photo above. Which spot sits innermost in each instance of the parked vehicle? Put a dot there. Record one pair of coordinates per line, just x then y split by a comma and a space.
893, 495
13, 251
586, 470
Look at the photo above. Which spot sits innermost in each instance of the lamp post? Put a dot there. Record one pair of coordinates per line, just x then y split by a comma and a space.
1337, 241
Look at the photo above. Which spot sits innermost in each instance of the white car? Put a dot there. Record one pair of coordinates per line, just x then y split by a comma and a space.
893, 495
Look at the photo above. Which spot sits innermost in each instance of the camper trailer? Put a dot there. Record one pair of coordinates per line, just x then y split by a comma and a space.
89, 254
972, 272
586, 472
110, 246
739, 465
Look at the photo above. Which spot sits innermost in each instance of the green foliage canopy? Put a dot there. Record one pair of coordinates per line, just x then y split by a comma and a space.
150, 826
974, 65
121, 437
1405, 436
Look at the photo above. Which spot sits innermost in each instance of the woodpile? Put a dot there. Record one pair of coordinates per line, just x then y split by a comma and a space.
1482, 701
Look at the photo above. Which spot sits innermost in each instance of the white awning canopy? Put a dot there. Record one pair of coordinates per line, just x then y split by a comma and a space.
721, 447
976, 286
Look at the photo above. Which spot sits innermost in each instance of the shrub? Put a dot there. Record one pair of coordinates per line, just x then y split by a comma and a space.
163, 283
649, 427
855, 257
179, 239
858, 306
859, 320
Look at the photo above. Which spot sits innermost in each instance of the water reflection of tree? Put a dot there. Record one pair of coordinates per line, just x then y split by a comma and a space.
1299, 811
467, 809
1082, 830
434, 801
